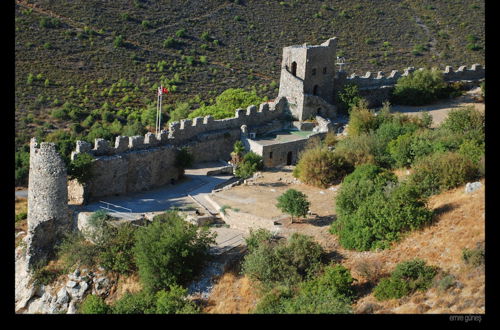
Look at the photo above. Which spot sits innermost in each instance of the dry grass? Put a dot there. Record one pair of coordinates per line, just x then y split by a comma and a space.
233, 294
130, 284
458, 224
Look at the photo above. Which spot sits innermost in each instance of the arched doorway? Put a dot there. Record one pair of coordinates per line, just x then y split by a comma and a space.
294, 68
289, 158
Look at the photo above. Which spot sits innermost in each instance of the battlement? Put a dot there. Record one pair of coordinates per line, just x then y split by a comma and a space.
372, 80
181, 132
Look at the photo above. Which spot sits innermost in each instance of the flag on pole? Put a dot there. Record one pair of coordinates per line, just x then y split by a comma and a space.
162, 90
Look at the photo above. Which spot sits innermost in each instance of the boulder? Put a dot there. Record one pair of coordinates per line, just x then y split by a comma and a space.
472, 186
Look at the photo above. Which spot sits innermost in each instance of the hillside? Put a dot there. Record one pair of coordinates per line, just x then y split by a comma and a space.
459, 224
105, 59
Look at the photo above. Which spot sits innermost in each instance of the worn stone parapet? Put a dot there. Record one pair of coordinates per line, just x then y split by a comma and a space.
181, 132
371, 80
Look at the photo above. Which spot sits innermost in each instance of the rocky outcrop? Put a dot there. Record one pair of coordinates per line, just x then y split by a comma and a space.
62, 296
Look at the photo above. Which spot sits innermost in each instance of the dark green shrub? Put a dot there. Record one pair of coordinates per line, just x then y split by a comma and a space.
81, 168
180, 33
349, 97
321, 167
170, 43
93, 304
184, 158
464, 120
373, 210
117, 254
142, 302
359, 185
408, 277
283, 263
118, 41
250, 164
330, 293
472, 150
170, 251
294, 203
174, 301
22, 165
419, 87
257, 237
442, 171
21, 216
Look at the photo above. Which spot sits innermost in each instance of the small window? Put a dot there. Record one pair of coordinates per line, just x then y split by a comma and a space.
271, 155
294, 68
324, 70
313, 72
315, 90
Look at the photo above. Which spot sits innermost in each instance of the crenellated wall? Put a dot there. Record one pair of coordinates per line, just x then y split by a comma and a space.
376, 80
138, 163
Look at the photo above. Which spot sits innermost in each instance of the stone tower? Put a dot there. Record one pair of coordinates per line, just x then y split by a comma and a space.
48, 212
307, 79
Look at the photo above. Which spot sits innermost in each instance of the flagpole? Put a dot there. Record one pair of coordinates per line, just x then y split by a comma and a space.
159, 114
157, 107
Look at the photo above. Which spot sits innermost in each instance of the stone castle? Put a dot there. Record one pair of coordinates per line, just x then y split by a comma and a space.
308, 86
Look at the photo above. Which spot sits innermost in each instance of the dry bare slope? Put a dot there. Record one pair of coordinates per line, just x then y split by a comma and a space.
459, 224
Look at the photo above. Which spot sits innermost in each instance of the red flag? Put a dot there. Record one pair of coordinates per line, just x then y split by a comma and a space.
164, 90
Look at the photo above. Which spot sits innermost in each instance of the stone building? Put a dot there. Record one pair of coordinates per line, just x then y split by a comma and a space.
307, 79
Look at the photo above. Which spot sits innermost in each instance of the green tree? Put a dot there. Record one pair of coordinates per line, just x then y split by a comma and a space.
294, 203
250, 164
174, 301
419, 87
93, 304
81, 168
170, 251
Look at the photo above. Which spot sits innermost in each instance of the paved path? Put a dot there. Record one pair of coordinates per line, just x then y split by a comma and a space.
195, 184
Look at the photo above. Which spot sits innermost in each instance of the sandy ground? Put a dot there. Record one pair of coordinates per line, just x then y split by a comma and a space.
440, 109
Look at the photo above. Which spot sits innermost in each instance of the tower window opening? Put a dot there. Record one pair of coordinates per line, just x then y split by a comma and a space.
294, 68
315, 90
313, 72
324, 70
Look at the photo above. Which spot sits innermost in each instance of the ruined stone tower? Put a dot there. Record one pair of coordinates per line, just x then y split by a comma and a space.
307, 79
48, 213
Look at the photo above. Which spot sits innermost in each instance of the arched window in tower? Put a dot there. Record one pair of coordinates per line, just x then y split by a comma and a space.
315, 90
324, 70
313, 72
294, 68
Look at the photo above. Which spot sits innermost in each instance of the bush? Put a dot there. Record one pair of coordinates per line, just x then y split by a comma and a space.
442, 171
80, 168
349, 97
464, 120
474, 257
258, 237
472, 150
170, 251
142, 302
408, 277
293, 202
361, 120
330, 293
22, 165
117, 254
174, 301
250, 164
359, 185
357, 150
330, 139
184, 158
93, 304
74, 249
419, 87
373, 210
283, 263
320, 167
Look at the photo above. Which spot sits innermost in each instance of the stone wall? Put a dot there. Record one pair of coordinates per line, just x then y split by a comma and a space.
48, 213
139, 163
